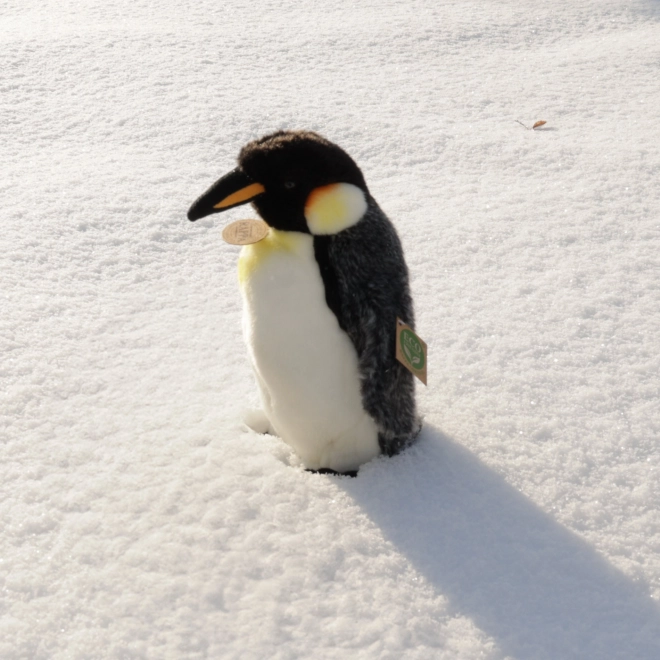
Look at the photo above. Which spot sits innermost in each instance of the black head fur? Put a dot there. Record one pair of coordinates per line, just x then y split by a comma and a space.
290, 164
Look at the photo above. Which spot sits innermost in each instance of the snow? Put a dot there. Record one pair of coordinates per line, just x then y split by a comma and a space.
141, 519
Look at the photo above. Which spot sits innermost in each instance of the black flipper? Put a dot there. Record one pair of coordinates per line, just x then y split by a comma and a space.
366, 286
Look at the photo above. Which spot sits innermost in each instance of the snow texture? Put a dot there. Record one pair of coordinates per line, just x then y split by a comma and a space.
140, 518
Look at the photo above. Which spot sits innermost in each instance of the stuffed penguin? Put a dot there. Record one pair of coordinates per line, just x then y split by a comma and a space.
322, 293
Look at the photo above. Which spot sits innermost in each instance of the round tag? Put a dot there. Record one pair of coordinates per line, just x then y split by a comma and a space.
245, 232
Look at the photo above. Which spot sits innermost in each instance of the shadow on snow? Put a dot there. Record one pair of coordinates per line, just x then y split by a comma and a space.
538, 589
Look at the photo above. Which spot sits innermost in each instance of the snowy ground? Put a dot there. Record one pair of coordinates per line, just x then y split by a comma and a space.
141, 520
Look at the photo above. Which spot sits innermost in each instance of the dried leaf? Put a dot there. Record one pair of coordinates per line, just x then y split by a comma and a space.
539, 123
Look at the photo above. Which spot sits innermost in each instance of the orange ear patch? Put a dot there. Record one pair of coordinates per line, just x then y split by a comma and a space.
331, 209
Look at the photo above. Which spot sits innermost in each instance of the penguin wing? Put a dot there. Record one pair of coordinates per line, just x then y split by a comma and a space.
366, 286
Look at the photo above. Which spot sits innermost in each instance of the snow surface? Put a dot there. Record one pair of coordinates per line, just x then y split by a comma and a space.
139, 517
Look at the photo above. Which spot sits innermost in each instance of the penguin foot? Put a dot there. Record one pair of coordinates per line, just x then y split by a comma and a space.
257, 420
349, 473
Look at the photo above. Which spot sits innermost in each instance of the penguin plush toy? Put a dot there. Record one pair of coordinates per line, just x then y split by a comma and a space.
322, 293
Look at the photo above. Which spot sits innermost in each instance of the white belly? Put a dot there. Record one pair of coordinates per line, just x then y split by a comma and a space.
305, 364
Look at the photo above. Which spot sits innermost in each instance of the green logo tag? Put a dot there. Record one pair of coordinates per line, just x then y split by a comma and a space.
412, 349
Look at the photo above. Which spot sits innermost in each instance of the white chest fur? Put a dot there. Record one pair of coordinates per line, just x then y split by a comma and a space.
306, 366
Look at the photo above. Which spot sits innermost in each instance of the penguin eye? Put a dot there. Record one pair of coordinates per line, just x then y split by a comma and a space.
289, 184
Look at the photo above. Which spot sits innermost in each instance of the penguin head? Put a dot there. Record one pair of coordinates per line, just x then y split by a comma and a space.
296, 181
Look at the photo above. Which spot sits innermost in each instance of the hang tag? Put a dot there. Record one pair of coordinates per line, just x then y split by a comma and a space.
245, 232
410, 350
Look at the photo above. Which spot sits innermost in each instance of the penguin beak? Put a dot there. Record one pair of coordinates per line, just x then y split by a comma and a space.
231, 190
